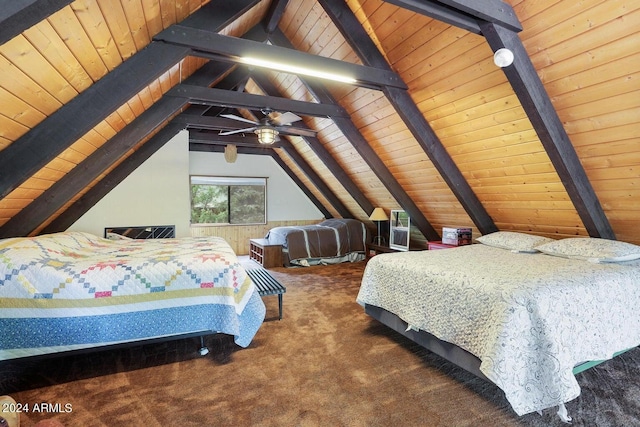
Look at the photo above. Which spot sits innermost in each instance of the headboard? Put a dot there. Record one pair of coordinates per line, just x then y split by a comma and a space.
143, 232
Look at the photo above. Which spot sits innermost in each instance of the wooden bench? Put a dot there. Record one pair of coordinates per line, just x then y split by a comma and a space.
267, 285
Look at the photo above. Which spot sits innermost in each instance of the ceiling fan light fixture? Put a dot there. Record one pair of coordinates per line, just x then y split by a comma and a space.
266, 134
294, 69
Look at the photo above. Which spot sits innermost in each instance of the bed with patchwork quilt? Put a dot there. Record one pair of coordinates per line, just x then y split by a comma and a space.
72, 290
528, 317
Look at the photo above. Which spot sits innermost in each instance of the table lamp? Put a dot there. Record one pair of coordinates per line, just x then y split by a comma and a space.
378, 215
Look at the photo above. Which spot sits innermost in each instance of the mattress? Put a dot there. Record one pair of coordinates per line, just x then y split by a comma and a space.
73, 290
329, 242
529, 318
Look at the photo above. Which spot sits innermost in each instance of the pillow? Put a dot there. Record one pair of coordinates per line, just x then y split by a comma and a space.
514, 241
592, 249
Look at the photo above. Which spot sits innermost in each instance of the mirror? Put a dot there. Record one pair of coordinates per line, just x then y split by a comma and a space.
399, 231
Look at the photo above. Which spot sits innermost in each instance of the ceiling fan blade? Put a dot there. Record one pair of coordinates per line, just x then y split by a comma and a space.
290, 130
241, 119
285, 118
231, 132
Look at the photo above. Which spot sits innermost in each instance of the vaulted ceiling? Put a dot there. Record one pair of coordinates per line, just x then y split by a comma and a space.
550, 144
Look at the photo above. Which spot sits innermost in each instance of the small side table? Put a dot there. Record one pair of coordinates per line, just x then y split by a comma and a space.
439, 245
373, 250
265, 253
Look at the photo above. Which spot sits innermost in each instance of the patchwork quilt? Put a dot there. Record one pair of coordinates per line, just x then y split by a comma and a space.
529, 318
75, 290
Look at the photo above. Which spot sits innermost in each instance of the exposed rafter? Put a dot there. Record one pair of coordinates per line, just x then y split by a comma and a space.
276, 10
209, 44
357, 37
361, 145
322, 153
465, 13
25, 156
536, 103
54, 198
229, 98
18, 15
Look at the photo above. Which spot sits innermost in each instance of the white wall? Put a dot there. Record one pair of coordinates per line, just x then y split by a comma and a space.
157, 193
285, 201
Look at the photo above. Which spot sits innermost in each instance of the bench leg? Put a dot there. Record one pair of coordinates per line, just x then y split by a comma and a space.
280, 306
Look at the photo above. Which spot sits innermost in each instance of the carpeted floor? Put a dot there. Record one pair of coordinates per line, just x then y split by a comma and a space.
325, 364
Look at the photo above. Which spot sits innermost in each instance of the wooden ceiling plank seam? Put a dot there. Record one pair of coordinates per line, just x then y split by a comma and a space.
353, 31
535, 101
316, 179
16, 16
321, 152
93, 22
117, 175
33, 150
353, 135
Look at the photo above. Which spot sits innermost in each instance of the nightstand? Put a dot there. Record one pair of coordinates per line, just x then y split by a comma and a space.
439, 245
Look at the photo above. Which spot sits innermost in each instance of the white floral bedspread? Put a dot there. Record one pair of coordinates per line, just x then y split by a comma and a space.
529, 318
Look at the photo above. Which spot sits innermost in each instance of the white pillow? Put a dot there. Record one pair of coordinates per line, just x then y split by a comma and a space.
514, 241
592, 249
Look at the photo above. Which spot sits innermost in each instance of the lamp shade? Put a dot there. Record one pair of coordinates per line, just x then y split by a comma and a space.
230, 153
378, 215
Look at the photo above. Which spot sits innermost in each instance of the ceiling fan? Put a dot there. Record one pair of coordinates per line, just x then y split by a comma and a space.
269, 127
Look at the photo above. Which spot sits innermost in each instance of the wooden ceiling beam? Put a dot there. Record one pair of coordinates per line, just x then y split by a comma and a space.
404, 105
355, 138
464, 13
32, 151
319, 149
209, 44
536, 103
274, 15
240, 140
228, 98
28, 154
60, 193
16, 16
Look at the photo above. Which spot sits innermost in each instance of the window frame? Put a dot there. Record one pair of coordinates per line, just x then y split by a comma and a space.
228, 181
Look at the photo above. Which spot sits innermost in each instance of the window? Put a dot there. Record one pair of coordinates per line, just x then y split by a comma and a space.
228, 200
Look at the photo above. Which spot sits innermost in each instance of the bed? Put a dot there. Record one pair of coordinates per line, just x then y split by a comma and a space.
69, 291
329, 242
526, 318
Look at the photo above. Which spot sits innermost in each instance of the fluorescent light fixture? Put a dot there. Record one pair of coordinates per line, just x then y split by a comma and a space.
297, 70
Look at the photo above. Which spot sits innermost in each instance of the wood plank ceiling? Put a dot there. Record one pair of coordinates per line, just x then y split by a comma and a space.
549, 145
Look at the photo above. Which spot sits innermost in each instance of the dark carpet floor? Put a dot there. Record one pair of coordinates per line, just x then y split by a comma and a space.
325, 364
